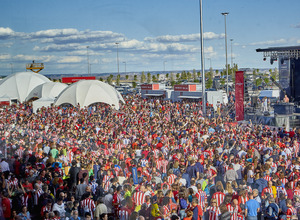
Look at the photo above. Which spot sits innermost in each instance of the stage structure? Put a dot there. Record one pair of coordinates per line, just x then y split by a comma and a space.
289, 69
284, 114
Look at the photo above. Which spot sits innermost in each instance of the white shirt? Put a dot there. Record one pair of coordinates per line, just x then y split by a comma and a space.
4, 166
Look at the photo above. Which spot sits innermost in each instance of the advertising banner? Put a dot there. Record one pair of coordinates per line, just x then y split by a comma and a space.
135, 176
239, 95
75, 79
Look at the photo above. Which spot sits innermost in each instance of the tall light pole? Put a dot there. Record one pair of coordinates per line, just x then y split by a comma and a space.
118, 56
165, 66
125, 66
202, 60
231, 53
88, 59
225, 14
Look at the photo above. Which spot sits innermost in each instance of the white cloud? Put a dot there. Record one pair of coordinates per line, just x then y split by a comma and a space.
184, 38
71, 59
6, 33
270, 42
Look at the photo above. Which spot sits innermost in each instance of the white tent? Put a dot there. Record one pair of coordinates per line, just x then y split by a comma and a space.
48, 89
19, 85
87, 92
42, 102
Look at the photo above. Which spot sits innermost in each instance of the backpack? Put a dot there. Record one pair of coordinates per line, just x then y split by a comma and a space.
272, 211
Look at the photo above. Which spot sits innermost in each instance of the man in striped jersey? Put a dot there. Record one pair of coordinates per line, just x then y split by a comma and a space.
219, 196
291, 212
88, 205
139, 198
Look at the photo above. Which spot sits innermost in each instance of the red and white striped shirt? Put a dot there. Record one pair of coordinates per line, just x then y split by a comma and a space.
202, 197
171, 179
166, 212
268, 178
233, 211
267, 190
162, 165
139, 198
213, 213
88, 205
124, 213
37, 195
297, 192
290, 212
219, 196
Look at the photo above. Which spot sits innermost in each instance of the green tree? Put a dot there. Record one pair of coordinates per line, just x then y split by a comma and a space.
118, 79
172, 78
135, 78
222, 81
167, 75
258, 81
109, 79
157, 76
133, 84
194, 75
178, 76
154, 78
209, 83
148, 77
101, 79
126, 77
143, 77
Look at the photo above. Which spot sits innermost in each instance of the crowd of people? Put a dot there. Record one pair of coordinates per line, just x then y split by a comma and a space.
152, 159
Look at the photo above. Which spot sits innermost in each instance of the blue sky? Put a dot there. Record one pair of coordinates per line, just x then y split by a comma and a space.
149, 33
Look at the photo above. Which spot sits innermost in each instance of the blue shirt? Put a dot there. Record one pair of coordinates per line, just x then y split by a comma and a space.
252, 206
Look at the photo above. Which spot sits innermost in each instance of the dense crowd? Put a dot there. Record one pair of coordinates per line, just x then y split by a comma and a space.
152, 159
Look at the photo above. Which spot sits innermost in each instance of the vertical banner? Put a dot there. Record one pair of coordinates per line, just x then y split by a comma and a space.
134, 176
239, 95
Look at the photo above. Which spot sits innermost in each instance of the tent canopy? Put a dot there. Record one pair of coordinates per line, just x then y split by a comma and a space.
42, 102
87, 92
19, 85
48, 89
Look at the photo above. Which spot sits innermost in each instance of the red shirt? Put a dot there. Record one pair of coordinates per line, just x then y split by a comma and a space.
6, 207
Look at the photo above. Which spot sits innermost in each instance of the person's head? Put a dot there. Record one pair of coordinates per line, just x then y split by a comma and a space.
255, 193
75, 214
223, 208
289, 203
251, 196
195, 202
270, 184
213, 202
87, 216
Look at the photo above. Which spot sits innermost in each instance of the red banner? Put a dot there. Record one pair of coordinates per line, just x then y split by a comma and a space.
239, 95
75, 79
185, 87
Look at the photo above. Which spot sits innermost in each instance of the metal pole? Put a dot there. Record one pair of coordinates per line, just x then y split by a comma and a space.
225, 14
202, 61
88, 59
118, 57
231, 54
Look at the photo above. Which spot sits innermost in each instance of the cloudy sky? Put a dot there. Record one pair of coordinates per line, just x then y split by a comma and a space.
151, 34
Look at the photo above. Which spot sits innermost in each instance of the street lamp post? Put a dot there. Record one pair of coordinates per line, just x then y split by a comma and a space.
125, 67
118, 57
88, 59
202, 60
225, 14
231, 53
